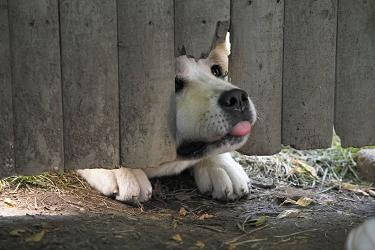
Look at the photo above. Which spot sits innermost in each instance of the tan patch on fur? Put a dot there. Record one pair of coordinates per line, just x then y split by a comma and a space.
220, 56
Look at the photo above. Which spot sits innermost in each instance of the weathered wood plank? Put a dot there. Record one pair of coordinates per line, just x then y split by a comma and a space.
256, 66
36, 78
309, 73
200, 25
355, 82
146, 76
90, 83
7, 167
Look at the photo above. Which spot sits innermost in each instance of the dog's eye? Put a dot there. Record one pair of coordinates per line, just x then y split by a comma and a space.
216, 70
179, 84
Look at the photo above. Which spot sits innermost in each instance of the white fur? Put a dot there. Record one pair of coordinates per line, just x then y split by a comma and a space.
124, 184
198, 117
170, 168
219, 175
103, 180
222, 176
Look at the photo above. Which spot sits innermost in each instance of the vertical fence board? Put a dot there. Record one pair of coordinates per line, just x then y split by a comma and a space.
256, 66
146, 76
90, 83
7, 167
36, 79
309, 73
355, 82
200, 25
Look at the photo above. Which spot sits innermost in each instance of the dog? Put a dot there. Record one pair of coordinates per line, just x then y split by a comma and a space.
213, 118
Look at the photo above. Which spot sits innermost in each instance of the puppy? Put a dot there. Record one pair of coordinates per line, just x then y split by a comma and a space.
213, 118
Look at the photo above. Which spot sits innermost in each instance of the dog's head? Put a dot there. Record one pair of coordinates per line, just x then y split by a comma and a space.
212, 115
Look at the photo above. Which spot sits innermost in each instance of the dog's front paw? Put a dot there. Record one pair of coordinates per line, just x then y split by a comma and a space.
127, 185
133, 185
223, 177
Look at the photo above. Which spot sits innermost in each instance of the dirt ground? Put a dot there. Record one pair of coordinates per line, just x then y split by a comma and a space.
178, 217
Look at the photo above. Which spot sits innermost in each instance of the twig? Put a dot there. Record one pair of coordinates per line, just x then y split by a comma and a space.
354, 173
347, 199
326, 190
296, 233
35, 204
211, 228
334, 173
324, 177
17, 187
81, 182
247, 241
344, 172
243, 235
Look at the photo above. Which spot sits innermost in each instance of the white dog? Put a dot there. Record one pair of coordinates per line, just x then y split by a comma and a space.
213, 118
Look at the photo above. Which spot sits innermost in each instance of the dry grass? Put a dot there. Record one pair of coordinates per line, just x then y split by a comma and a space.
304, 168
55, 193
49, 181
300, 168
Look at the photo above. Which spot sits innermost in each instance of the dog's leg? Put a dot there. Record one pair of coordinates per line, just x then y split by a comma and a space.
221, 176
124, 184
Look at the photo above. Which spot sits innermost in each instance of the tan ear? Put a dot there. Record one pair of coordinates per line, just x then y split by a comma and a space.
219, 55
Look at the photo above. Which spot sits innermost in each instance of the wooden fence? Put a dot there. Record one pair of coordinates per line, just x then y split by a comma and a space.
90, 83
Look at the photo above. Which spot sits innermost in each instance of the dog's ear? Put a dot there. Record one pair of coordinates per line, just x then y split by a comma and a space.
219, 55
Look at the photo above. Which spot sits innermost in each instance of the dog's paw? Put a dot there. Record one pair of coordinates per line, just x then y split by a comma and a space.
133, 185
124, 184
103, 180
223, 177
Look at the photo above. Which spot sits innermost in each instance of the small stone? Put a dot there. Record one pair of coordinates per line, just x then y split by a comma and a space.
366, 164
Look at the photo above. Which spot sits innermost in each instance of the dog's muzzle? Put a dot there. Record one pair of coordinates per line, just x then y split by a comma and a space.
235, 103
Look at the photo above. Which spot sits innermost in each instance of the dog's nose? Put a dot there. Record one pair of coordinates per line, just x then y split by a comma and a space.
234, 100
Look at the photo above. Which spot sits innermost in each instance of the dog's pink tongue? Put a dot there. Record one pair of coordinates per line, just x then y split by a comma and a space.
241, 129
